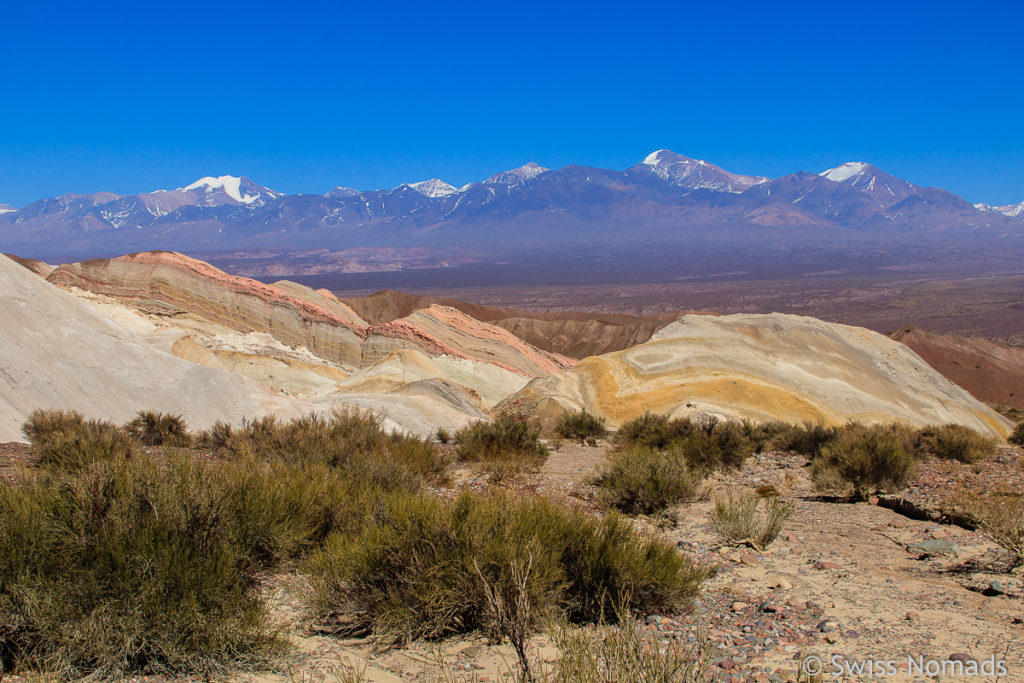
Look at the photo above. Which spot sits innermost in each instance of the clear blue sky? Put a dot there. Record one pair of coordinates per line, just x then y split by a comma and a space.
136, 96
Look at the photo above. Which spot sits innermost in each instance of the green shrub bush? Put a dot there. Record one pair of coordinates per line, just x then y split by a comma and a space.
640, 480
419, 566
351, 441
505, 442
280, 510
122, 567
650, 430
807, 439
766, 435
152, 428
580, 426
864, 460
707, 444
955, 442
66, 440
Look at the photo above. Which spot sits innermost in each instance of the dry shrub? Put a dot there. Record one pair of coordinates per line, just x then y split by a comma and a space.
503, 446
640, 480
1017, 437
281, 510
807, 439
625, 652
955, 442
708, 443
66, 440
580, 426
346, 440
766, 435
419, 566
122, 567
862, 460
750, 519
153, 428
1000, 515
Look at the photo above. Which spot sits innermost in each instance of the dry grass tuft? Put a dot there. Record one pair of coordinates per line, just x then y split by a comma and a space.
750, 519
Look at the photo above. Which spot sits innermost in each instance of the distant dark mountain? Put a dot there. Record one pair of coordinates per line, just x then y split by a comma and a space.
672, 210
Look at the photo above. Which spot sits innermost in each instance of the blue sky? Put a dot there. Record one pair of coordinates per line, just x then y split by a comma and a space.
137, 96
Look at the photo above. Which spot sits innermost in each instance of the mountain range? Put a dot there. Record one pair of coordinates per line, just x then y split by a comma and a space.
670, 213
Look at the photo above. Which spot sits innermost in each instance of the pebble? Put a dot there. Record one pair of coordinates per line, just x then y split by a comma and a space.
826, 566
749, 559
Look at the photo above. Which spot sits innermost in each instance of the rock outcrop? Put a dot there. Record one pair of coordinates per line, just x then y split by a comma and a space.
57, 351
990, 371
573, 334
170, 283
430, 368
762, 367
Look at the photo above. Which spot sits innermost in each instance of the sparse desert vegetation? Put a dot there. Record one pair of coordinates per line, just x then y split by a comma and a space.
166, 571
864, 460
749, 519
580, 425
506, 445
708, 443
955, 442
642, 480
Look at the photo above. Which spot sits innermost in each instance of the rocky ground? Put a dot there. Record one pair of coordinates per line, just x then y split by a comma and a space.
861, 581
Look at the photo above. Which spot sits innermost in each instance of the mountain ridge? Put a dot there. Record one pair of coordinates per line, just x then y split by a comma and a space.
664, 204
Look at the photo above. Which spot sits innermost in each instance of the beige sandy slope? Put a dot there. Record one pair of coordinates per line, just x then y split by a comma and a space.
762, 367
56, 351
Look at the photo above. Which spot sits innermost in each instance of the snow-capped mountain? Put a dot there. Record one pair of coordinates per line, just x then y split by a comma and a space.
6, 208
1011, 210
228, 189
661, 202
433, 188
517, 176
694, 174
884, 188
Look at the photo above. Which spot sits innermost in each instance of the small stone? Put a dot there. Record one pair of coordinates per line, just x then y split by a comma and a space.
994, 588
934, 547
738, 606
826, 566
470, 651
749, 559
653, 619
912, 616
960, 657
828, 626
783, 585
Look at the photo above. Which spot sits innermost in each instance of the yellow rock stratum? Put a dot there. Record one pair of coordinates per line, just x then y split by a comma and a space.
763, 367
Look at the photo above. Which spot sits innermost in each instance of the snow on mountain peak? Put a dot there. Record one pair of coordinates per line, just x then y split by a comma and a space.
654, 157
433, 188
845, 171
695, 173
1010, 210
6, 208
519, 175
229, 183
